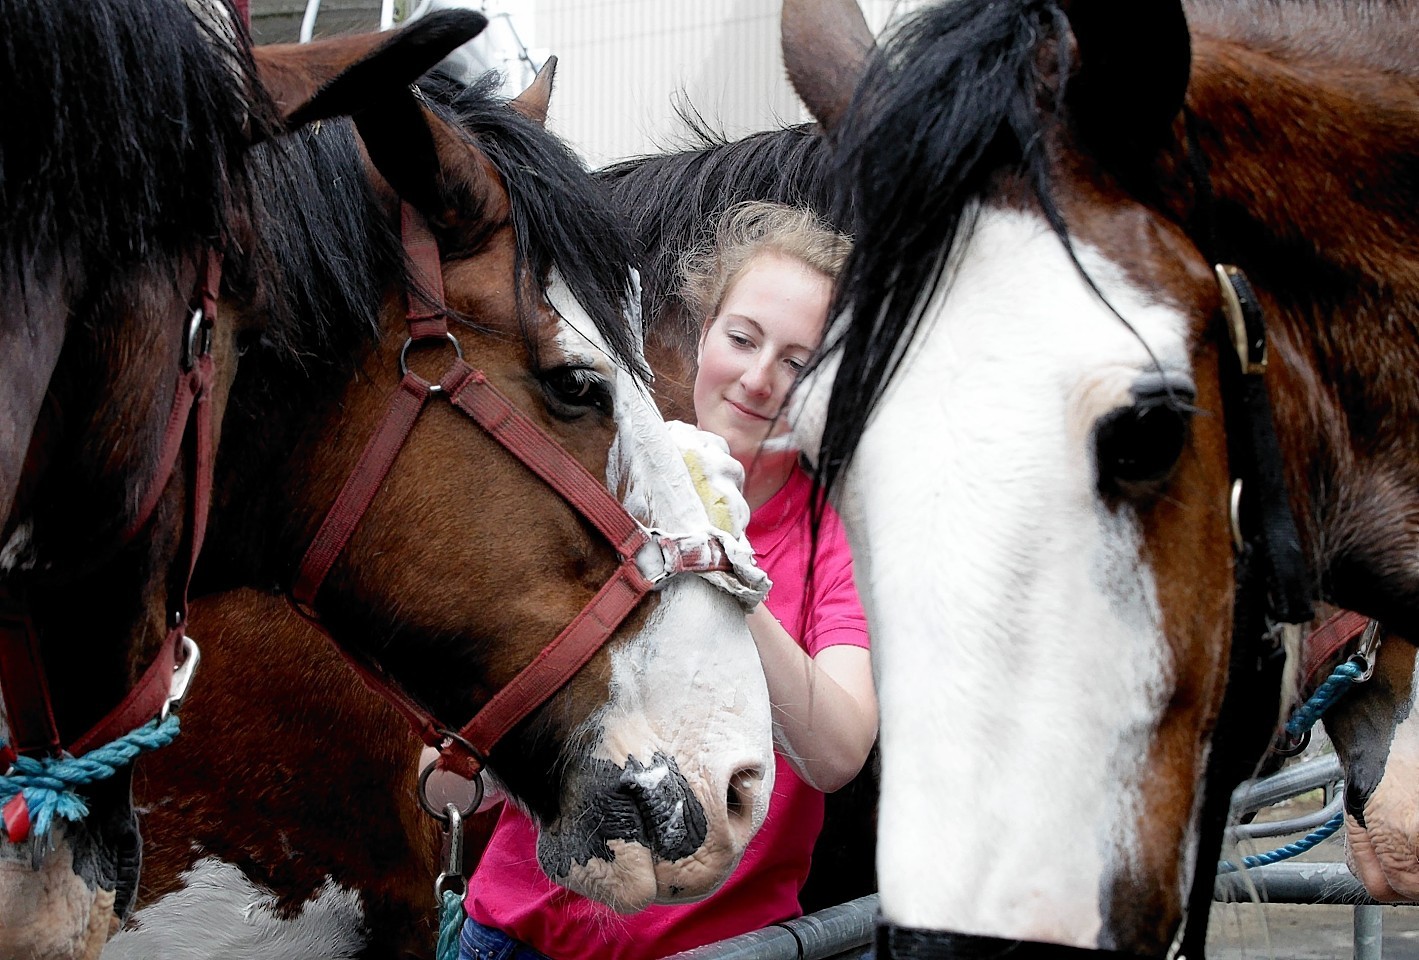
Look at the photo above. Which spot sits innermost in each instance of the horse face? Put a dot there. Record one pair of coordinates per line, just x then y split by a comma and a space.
650, 771
1016, 507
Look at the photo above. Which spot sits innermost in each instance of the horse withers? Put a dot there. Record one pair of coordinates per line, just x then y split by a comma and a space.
1022, 413
123, 174
648, 772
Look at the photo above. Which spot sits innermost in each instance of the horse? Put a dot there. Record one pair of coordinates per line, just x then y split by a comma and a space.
1032, 421
648, 771
122, 171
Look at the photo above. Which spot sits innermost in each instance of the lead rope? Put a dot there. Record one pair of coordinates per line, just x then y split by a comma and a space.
1355, 670
48, 785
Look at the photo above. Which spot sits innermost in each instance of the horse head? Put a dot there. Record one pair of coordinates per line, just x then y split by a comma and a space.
478, 258
1033, 413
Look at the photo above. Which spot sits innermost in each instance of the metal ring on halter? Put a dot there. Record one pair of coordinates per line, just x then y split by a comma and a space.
404, 356
1235, 515
438, 814
1287, 746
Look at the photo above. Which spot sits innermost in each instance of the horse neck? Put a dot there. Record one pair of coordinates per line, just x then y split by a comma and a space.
1313, 168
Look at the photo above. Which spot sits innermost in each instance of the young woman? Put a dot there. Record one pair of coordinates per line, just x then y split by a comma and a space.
763, 290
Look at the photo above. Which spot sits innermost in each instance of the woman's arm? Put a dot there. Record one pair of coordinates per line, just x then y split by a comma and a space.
824, 708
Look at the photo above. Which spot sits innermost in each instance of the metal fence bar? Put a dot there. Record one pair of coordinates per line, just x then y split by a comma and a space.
1369, 932
844, 931
1294, 882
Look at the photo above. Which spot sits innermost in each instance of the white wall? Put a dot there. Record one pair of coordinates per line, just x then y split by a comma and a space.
624, 64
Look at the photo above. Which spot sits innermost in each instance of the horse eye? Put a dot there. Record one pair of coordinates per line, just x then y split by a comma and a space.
572, 391
1138, 446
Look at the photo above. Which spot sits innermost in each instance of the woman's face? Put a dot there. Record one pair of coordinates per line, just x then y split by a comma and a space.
768, 325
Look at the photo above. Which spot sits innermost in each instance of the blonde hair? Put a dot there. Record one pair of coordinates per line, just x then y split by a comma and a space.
747, 230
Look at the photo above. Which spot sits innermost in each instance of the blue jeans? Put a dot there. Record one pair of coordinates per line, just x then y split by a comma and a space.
477, 942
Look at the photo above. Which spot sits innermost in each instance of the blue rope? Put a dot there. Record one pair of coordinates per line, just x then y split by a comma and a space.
1335, 686
49, 783
450, 922
1290, 850
1342, 679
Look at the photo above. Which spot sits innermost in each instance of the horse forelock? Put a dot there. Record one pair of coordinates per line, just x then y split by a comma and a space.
948, 105
123, 130
563, 220
325, 252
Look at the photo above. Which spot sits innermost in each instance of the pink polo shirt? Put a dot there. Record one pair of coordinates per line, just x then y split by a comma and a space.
509, 891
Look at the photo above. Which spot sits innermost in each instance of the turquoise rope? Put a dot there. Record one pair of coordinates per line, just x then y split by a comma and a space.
49, 783
450, 922
1342, 679
1324, 831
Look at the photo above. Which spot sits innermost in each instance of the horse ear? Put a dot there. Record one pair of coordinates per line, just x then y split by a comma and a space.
431, 165
1133, 63
826, 44
335, 77
532, 102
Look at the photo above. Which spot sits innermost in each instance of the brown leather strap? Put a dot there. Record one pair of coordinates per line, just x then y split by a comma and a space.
548, 672
23, 684
427, 313
1326, 644
359, 490
22, 676
542, 455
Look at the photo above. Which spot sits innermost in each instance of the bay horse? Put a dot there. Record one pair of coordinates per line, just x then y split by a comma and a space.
1027, 414
123, 140
648, 772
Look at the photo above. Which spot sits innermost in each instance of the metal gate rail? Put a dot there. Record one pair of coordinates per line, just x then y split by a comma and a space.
845, 932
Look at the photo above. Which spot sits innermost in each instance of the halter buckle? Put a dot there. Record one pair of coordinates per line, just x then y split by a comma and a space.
198, 342
1244, 321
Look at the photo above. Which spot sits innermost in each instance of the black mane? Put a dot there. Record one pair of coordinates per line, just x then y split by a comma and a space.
673, 201
563, 219
947, 105
121, 132
328, 251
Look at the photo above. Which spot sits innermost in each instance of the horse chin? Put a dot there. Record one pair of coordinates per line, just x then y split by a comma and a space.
51, 913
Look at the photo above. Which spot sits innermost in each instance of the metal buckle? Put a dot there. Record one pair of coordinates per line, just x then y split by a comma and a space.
1234, 516
404, 357
1234, 286
198, 342
655, 549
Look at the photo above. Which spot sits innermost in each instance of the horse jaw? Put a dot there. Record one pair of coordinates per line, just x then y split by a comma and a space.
687, 726
51, 913
1014, 760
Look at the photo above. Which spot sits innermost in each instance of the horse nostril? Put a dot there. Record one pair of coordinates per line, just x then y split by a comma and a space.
744, 786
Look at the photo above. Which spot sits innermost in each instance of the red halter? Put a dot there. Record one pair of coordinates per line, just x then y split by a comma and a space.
29, 711
468, 390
